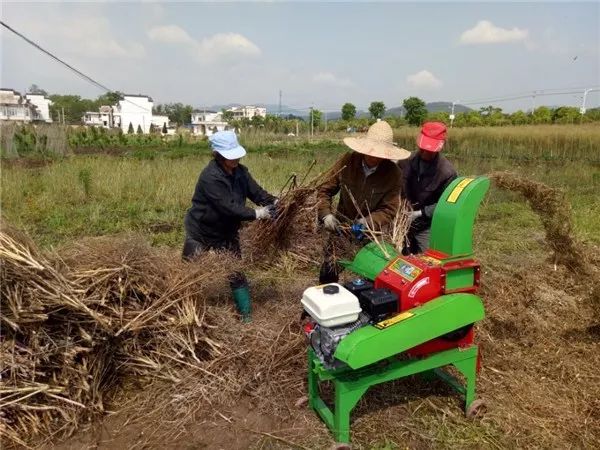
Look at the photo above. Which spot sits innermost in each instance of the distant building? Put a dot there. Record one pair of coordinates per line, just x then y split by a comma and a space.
205, 123
102, 118
15, 107
247, 112
135, 110
161, 122
42, 104
131, 109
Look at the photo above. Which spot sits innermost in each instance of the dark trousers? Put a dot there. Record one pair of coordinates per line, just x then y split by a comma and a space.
193, 247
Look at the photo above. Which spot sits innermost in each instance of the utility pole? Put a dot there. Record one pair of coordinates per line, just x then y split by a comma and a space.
297, 131
533, 103
585, 93
63, 115
452, 116
311, 122
279, 113
325, 120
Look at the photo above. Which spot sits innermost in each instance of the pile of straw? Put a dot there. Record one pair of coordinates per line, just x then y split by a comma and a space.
74, 328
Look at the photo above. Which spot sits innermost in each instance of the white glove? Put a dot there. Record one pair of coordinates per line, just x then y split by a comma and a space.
362, 221
263, 212
414, 215
330, 222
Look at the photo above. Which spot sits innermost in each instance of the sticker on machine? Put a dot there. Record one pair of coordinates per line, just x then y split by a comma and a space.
458, 189
416, 287
394, 320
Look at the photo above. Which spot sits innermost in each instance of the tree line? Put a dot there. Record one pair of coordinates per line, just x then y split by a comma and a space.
73, 107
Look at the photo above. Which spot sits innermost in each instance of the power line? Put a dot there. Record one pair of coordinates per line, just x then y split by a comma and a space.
56, 58
67, 65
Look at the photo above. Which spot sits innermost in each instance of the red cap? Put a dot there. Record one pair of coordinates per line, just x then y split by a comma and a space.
432, 137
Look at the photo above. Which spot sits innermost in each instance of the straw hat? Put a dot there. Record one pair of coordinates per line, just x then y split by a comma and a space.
378, 142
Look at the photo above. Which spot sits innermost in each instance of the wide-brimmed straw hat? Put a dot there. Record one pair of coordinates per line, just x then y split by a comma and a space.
378, 142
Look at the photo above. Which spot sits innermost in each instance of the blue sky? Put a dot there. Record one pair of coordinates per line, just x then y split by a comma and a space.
320, 54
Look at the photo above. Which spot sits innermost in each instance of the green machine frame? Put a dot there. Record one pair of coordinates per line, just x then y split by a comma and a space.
373, 356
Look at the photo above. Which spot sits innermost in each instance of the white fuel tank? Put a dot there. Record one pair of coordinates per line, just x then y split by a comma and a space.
331, 305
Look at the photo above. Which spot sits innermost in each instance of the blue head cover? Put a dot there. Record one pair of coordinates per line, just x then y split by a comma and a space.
226, 144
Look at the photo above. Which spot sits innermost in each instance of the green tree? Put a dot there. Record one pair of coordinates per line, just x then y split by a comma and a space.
227, 115
474, 119
316, 116
519, 118
566, 114
542, 114
35, 89
416, 112
73, 106
593, 114
130, 129
164, 128
377, 110
177, 112
348, 111
110, 98
139, 129
257, 121
439, 116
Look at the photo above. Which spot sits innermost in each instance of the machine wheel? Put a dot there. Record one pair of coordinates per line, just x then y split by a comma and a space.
458, 334
477, 409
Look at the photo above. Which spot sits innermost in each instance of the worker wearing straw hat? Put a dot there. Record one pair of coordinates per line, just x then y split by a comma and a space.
219, 208
369, 185
426, 175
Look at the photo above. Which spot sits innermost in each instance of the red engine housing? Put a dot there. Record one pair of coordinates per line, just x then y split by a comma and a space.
417, 279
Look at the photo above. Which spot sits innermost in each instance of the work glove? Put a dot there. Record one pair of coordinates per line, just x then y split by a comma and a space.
263, 212
414, 215
331, 223
358, 229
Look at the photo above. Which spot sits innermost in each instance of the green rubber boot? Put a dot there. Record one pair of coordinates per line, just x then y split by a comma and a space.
243, 303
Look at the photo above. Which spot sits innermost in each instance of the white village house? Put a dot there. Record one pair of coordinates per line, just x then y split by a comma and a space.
248, 112
134, 110
15, 107
206, 123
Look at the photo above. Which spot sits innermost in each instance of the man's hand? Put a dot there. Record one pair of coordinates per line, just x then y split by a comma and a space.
331, 223
263, 212
414, 215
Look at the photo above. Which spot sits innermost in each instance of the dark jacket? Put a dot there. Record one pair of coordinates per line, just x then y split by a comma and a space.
219, 203
425, 181
379, 193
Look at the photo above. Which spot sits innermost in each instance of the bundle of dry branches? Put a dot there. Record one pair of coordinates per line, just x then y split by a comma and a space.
74, 327
554, 210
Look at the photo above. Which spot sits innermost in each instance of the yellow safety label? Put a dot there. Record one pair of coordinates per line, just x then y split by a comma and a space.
453, 197
394, 320
431, 260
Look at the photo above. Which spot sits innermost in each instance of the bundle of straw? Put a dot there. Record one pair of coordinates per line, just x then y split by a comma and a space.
74, 328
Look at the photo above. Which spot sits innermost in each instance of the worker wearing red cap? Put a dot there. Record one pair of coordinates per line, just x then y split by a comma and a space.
426, 174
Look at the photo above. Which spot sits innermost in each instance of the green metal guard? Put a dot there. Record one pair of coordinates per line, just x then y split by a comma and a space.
351, 385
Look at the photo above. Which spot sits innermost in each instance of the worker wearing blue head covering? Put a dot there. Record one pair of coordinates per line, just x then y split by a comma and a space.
219, 208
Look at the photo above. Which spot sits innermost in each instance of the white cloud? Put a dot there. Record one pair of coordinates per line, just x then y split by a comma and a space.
85, 35
485, 32
423, 80
220, 46
226, 45
169, 34
328, 78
